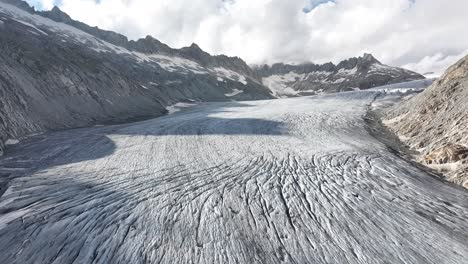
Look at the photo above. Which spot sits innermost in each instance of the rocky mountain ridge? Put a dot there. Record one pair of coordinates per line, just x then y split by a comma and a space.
435, 123
354, 73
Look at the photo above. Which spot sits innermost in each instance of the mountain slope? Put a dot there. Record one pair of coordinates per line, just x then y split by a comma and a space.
305, 79
65, 74
435, 123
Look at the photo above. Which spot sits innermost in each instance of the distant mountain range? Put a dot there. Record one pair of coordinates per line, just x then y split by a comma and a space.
58, 73
355, 73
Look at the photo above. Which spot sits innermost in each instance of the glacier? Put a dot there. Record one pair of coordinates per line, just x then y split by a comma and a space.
297, 180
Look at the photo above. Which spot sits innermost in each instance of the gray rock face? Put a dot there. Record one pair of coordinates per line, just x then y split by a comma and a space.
435, 123
58, 73
355, 73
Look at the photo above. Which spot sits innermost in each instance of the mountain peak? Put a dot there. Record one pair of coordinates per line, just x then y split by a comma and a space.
195, 46
58, 11
57, 15
150, 44
194, 49
369, 58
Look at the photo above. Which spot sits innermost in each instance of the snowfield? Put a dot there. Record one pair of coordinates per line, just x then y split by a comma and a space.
297, 180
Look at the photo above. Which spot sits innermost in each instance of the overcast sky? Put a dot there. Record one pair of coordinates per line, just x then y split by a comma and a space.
421, 35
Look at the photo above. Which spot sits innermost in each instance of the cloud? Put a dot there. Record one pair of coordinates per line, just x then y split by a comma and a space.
435, 65
399, 32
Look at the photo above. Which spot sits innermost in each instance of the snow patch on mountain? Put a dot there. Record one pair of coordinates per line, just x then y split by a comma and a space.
280, 84
231, 75
234, 93
177, 107
345, 72
31, 26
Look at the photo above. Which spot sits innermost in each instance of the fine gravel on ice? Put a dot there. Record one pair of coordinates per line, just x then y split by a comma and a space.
297, 180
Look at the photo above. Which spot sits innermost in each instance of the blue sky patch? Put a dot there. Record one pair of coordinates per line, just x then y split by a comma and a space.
314, 3
38, 5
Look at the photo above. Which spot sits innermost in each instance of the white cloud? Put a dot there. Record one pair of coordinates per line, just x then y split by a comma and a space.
41, 4
399, 32
435, 65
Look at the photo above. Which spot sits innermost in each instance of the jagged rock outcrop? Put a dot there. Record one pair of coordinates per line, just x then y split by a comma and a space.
354, 73
447, 154
435, 123
58, 73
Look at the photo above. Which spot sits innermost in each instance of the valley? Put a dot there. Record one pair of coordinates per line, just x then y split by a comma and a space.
297, 180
